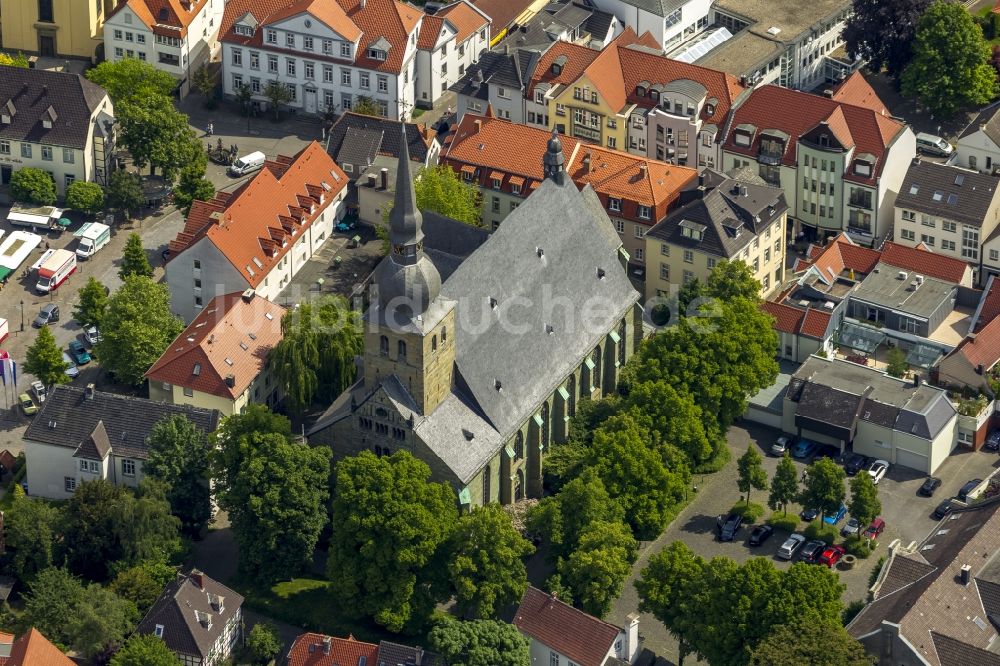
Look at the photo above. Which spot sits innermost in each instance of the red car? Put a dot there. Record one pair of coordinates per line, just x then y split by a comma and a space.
831, 555
875, 529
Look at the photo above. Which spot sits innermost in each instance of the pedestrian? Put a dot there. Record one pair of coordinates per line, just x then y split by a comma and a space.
46, 245
211, 129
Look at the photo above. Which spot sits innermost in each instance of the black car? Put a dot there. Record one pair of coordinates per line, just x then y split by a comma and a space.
809, 515
729, 528
812, 550
854, 463
760, 534
963, 492
992, 441
931, 484
943, 509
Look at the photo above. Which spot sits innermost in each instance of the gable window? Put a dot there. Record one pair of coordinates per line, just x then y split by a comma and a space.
243, 30
345, 50
272, 36
614, 204
128, 467
289, 40
742, 139
307, 43
644, 212
863, 168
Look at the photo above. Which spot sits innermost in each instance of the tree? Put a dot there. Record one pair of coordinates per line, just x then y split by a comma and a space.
315, 357
366, 106
440, 189
34, 186
125, 192
751, 472
134, 259
142, 583
897, 365
276, 504
44, 359
136, 329
784, 485
229, 457
52, 601
92, 304
18, 60
85, 197
562, 518
158, 135
597, 569
806, 642
673, 416
32, 530
133, 79
145, 650
484, 562
730, 280
192, 186
667, 590
179, 456
277, 94
244, 95
823, 487
101, 622
263, 643
951, 61
881, 32
864, 504
479, 643
204, 82
388, 521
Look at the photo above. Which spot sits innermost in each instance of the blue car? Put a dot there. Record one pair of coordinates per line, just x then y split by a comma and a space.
835, 518
79, 352
804, 448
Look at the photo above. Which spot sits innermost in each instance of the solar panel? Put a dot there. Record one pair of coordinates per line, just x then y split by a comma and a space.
703, 47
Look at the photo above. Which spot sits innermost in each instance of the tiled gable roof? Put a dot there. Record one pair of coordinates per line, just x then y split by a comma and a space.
430, 32
311, 649
786, 318
947, 191
169, 18
952, 652
501, 12
231, 336
30, 95
570, 59
466, 19
856, 90
982, 348
97, 446
583, 638
378, 19
259, 223
326, 11
988, 120
418, 138
34, 649
815, 323
925, 262
989, 304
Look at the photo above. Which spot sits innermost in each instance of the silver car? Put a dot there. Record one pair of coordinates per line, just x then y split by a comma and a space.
71, 370
780, 446
852, 527
791, 546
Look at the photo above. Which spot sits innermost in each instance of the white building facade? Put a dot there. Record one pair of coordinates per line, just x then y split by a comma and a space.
449, 43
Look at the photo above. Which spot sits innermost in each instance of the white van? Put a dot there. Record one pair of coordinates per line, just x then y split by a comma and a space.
247, 163
933, 145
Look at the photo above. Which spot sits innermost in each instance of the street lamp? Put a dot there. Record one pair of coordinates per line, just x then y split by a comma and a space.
22, 315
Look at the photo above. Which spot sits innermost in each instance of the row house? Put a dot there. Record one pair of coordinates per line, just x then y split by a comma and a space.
978, 146
840, 165
952, 211
327, 53
258, 236
499, 80
504, 161
58, 122
177, 36
449, 42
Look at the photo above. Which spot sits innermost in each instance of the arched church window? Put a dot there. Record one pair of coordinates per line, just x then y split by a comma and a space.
486, 485
434, 343
596, 358
383, 345
401, 350
518, 446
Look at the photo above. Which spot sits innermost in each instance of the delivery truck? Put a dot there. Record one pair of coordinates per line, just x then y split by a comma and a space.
93, 236
55, 270
45, 217
13, 251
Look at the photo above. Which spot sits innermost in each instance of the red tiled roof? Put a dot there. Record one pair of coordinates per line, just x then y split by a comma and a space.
815, 323
307, 650
163, 17
869, 131
983, 348
257, 224
382, 18
231, 336
990, 304
34, 649
925, 262
576, 59
839, 255
466, 19
790, 319
856, 90
557, 625
325, 11
430, 30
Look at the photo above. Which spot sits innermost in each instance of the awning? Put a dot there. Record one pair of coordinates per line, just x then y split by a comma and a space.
4, 272
860, 338
64, 222
924, 356
516, 180
468, 168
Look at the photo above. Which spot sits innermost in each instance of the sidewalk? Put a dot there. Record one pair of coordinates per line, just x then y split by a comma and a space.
229, 120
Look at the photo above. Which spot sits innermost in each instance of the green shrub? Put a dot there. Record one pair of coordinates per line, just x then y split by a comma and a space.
817, 529
858, 546
751, 512
875, 572
851, 611
718, 460
789, 523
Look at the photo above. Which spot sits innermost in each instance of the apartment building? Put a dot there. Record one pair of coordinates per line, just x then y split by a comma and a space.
55, 28
669, 22
499, 81
449, 42
175, 37
327, 53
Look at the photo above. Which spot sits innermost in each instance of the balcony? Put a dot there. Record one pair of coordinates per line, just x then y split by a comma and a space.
769, 158
864, 202
170, 59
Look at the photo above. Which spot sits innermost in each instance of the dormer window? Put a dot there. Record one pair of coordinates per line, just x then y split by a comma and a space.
710, 109
824, 140
556, 68
640, 91
376, 54
863, 168
742, 139
244, 30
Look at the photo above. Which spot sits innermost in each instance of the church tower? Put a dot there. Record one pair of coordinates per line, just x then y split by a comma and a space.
410, 331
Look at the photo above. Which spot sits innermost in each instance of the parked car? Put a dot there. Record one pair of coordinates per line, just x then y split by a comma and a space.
877, 470
40, 391
28, 405
71, 370
943, 509
730, 527
831, 555
804, 448
834, 518
79, 352
931, 484
963, 492
932, 144
809, 515
781, 446
993, 441
831, 452
760, 534
791, 546
875, 529
851, 527
93, 335
855, 462
811, 551
49, 314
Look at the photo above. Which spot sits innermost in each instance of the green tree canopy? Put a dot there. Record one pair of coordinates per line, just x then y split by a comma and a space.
784, 485
19, 60
440, 189
137, 328
124, 191
951, 61
145, 650
865, 504
263, 643
803, 642
101, 622
276, 503
179, 456
484, 562
366, 106
131, 78
277, 94
562, 518
479, 643
134, 259
823, 488
665, 591
142, 583
229, 456
33, 530
44, 359
192, 186
204, 83
92, 304
751, 472
388, 521
897, 365
85, 197
881, 32
157, 135
673, 416
51, 604
34, 186
597, 569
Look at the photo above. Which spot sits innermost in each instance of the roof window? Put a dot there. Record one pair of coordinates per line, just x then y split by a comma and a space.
938, 195
914, 188
196, 370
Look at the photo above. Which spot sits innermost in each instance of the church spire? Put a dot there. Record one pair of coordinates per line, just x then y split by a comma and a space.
405, 220
552, 162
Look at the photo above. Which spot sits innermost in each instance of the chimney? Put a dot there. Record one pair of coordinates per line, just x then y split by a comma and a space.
372, 180
979, 369
384, 178
631, 638
248, 295
916, 381
743, 191
198, 578
327, 643
231, 381
88, 392
642, 170
828, 93
966, 574
362, 4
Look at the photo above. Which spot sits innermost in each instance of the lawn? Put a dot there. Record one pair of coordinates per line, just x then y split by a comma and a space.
983, 13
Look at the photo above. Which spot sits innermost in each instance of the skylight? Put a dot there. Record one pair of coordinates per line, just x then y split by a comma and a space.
938, 195
229, 361
952, 199
914, 188
196, 370
243, 346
